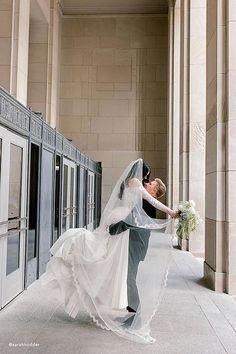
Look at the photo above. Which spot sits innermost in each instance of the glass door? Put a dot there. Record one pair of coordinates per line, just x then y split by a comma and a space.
46, 208
69, 208
13, 194
33, 212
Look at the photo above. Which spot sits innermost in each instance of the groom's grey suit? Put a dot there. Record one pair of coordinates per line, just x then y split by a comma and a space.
138, 245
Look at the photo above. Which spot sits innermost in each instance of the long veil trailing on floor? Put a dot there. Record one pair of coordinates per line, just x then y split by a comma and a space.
90, 269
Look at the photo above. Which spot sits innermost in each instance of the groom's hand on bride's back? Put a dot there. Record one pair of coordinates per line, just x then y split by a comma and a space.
119, 227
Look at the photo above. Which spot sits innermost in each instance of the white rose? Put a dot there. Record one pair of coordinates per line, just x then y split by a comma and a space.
192, 203
191, 210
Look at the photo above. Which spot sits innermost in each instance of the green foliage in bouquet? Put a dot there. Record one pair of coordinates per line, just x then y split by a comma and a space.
188, 219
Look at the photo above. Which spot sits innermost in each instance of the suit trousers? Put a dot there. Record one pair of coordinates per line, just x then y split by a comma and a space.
138, 245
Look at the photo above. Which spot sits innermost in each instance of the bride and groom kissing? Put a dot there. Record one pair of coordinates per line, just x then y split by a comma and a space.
116, 273
139, 237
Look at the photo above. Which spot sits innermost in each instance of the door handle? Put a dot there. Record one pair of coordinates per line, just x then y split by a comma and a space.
13, 220
12, 232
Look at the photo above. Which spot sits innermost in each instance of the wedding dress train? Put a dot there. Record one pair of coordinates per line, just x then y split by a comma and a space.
89, 269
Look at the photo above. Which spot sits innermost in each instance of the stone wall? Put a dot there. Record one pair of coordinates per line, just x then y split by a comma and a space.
113, 97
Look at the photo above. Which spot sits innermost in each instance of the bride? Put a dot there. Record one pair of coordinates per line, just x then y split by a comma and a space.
90, 268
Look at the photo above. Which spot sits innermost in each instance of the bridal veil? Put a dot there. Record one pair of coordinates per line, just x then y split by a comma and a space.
90, 269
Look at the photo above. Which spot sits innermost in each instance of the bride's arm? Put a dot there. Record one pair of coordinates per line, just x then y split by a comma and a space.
157, 204
153, 201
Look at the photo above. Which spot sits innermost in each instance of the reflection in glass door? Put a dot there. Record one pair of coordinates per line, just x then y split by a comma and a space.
57, 200
65, 198
12, 214
69, 199
46, 204
81, 197
72, 197
32, 239
14, 209
90, 201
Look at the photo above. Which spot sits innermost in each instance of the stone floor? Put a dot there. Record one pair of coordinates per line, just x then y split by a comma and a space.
191, 319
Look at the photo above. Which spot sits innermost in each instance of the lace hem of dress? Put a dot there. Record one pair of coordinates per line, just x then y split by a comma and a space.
146, 339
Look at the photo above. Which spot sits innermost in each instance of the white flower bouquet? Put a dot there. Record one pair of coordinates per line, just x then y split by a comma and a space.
188, 219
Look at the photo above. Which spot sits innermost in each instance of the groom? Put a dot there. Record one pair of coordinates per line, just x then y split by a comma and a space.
138, 245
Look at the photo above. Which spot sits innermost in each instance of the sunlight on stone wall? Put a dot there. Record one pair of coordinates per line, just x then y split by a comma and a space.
113, 95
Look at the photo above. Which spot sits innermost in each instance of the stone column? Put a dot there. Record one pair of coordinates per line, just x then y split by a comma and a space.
184, 83
220, 264
231, 148
54, 65
21, 47
215, 259
193, 112
6, 8
14, 44
173, 104
38, 62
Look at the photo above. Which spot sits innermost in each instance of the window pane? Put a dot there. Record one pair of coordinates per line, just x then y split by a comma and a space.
72, 196
33, 201
14, 205
65, 210
13, 253
57, 199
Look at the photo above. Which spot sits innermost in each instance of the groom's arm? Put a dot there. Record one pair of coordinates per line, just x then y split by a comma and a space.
119, 227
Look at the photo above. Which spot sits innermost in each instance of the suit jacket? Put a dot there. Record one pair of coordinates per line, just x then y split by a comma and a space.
138, 237
149, 209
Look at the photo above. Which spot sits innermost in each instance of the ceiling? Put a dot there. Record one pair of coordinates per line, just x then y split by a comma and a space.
93, 7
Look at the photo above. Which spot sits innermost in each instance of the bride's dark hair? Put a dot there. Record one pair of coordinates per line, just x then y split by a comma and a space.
133, 173
146, 172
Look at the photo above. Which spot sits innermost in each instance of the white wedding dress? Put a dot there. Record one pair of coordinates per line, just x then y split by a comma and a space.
90, 268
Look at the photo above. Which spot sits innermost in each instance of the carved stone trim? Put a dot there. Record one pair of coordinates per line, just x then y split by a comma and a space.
59, 142
49, 135
78, 156
69, 149
36, 127
13, 114
198, 136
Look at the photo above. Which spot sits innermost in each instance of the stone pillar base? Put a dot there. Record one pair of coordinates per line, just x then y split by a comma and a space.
183, 244
231, 284
215, 280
